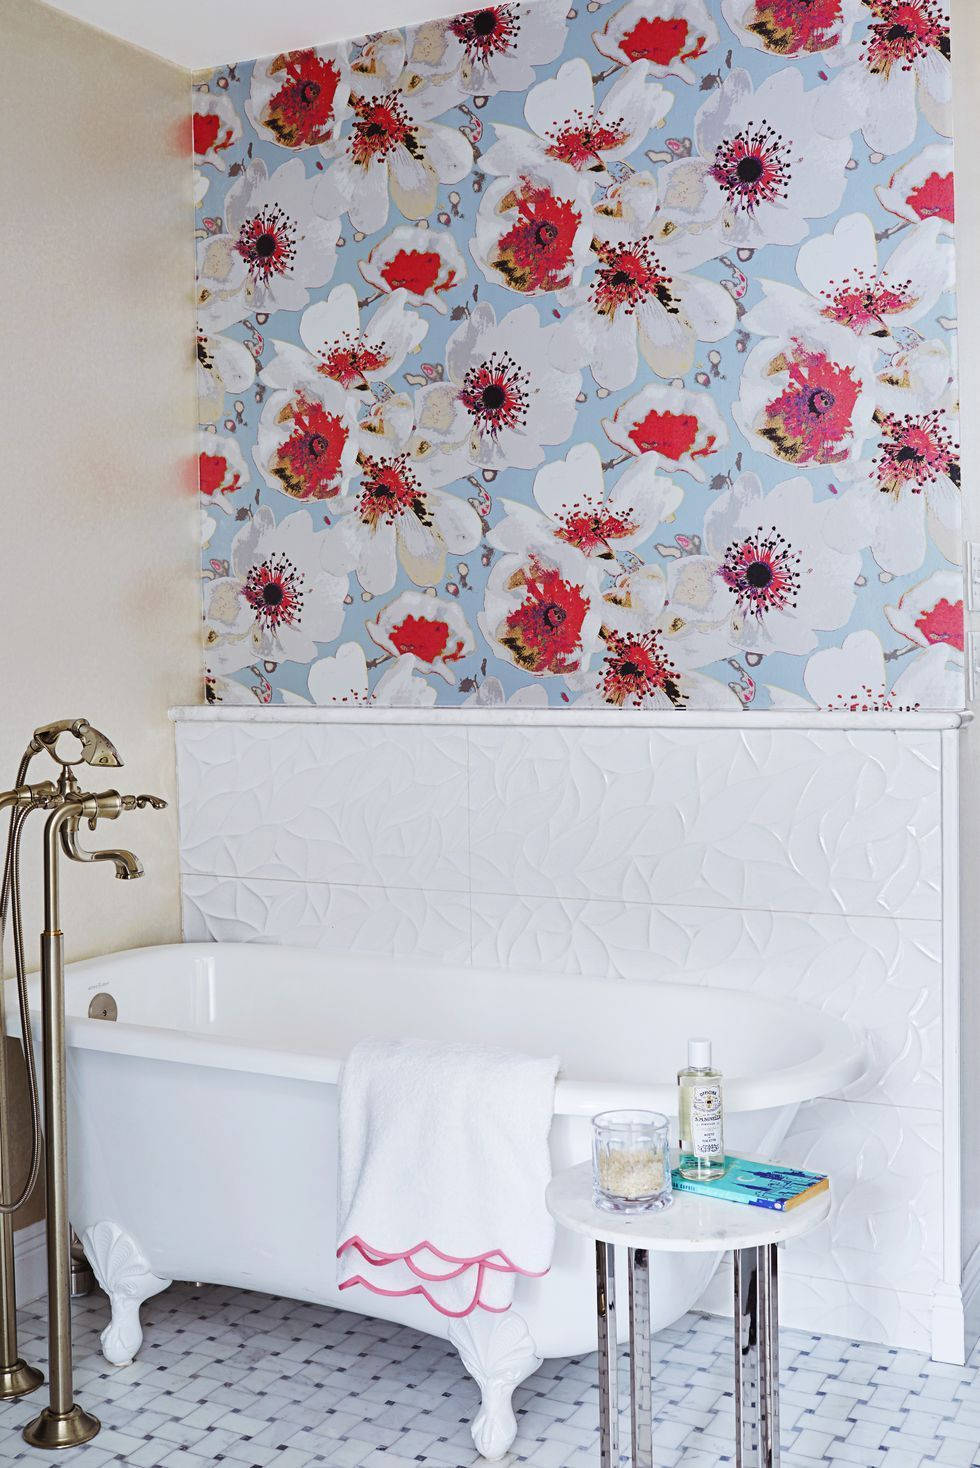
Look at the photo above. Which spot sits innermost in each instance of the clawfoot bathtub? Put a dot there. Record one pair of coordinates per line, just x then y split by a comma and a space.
203, 1122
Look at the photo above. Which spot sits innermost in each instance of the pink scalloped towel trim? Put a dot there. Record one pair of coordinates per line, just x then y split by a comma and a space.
493, 1260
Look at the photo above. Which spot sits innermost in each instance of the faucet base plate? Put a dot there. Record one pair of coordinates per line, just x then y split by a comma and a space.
61, 1429
18, 1379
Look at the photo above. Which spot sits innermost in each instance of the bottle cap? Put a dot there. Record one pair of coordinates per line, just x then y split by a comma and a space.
699, 1054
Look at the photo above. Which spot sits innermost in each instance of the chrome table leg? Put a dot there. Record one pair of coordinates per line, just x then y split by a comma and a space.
756, 1357
605, 1278
640, 1359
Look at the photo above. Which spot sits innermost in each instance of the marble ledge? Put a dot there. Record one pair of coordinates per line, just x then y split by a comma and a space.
570, 718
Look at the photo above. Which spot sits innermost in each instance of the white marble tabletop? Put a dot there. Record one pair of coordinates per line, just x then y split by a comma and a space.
692, 1224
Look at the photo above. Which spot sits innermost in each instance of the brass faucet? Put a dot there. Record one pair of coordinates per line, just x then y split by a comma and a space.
63, 1423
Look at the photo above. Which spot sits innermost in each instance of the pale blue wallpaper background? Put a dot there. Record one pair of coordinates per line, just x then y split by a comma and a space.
599, 355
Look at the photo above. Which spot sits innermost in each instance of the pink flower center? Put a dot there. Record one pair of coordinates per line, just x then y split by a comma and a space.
915, 451
790, 27
943, 623
637, 668
544, 633
534, 254
627, 275
761, 571
591, 527
275, 590
661, 40
496, 394
389, 491
902, 32
308, 462
427, 638
267, 243
350, 359
301, 113
208, 135
416, 271
933, 198
582, 140
812, 416
484, 34
214, 475
753, 168
381, 125
670, 434
862, 302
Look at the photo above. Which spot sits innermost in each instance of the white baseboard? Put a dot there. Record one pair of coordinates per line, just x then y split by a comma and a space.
30, 1262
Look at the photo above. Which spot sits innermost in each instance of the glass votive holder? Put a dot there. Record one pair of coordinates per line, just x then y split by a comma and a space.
631, 1161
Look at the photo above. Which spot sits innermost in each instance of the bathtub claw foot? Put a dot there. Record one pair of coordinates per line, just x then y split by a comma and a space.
124, 1273
498, 1352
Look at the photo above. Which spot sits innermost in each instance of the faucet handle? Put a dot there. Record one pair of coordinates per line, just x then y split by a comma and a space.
139, 802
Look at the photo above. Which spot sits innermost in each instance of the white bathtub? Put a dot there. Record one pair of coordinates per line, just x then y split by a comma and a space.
203, 1121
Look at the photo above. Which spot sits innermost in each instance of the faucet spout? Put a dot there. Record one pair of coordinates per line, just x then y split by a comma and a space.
128, 866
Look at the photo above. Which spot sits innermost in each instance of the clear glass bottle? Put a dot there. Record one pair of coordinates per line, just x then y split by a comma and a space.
701, 1115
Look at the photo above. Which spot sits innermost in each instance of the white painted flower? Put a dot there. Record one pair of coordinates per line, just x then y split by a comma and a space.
792, 28
223, 366
898, 68
807, 398
775, 569
299, 98
678, 426
215, 128
425, 264
931, 612
221, 468
395, 517
496, 49
278, 600
490, 695
343, 679
922, 188
576, 508
540, 609
503, 398
307, 441
639, 302
274, 227
568, 128
642, 657
914, 378
208, 525
843, 281
534, 231
391, 146
761, 168
854, 678
669, 34
222, 284
337, 349
230, 691
201, 184
429, 628
627, 208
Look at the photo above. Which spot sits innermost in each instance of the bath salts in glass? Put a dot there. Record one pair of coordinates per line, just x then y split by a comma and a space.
630, 1161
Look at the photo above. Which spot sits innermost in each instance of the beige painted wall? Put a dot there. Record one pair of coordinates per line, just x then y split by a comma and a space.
98, 522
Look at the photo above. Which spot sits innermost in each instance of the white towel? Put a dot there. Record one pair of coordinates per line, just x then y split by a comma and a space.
443, 1167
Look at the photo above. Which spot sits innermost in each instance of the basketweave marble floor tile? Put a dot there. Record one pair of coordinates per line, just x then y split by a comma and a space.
253, 1381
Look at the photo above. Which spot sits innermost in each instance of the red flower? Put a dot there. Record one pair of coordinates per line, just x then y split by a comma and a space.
214, 475
495, 394
349, 362
209, 134
489, 32
536, 252
581, 146
390, 490
810, 419
275, 591
762, 572
943, 623
637, 668
752, 168
669, 434
902, 32
301, 113
662, 41
863, 303
915, 451
427, 639
416, 271
789, 27
267, 243
628, 274
933, 198
381, 125
308, 463
544, 633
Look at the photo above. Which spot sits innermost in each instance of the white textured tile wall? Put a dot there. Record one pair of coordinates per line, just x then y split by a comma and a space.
788, 861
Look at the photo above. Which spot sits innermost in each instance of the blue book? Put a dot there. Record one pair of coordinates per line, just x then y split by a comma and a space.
760, 1184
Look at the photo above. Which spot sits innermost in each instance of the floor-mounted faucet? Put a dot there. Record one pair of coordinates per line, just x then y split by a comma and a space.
63, 1423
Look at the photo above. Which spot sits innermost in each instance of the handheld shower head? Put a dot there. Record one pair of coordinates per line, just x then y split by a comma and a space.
96, 748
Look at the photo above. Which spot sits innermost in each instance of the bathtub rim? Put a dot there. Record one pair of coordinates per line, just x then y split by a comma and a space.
823, 1075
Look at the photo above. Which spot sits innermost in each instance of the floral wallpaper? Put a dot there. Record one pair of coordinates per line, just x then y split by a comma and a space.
599, 355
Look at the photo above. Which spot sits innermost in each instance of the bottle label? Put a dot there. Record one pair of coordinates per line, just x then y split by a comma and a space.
706, 1122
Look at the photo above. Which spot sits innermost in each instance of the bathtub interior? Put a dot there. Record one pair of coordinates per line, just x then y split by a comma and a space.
614, 1036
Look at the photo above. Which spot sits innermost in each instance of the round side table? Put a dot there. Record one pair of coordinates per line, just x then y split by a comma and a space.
692, 1224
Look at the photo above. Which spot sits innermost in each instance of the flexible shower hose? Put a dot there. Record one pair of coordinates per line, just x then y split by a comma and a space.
10, 902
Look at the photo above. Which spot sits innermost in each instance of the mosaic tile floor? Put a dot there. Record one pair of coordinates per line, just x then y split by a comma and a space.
243, 1379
